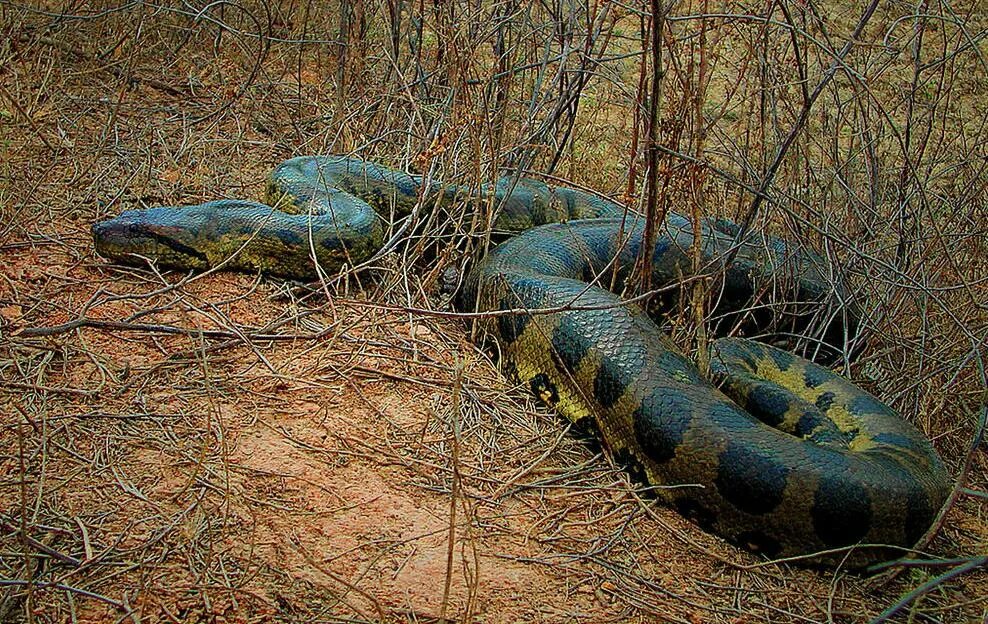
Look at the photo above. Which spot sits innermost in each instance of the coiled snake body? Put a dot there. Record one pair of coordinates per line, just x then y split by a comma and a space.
798, 460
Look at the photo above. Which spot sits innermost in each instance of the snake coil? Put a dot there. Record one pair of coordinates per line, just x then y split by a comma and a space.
784, 457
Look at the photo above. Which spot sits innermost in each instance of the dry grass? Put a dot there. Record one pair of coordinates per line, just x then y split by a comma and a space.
227, 448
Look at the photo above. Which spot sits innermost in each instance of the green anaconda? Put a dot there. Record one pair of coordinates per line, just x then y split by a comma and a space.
781, 455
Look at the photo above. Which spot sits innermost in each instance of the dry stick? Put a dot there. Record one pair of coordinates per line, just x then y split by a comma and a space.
787, 143
63, 587
322, 333
570, 103
839, 61
567, 99
636, 123
928, 586
224, 321
264, 46
30, 120
295, 541
81, 55
34, 332
169, 329
974, 493
655, 214
22, 477
39, 545
454, 487
700, 291
902, 199
53, 389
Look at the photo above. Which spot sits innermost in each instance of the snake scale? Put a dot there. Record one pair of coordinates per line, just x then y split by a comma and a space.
776, 453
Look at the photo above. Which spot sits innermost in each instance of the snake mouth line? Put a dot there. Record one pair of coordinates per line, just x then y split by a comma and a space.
127, 240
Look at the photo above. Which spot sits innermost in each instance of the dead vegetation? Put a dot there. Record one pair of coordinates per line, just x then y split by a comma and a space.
226, 448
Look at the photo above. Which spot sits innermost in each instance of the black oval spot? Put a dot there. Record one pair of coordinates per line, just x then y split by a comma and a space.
825, 401
661, 422
735, 353
288, 237
632, 247
867, 404
692, 509
819, 429
172, 244
609, 383
815, 376
553, 260
751, 480
919, 515
569, 344
331, 243
841, 510
632, 465
511, 326
599, 247
749, 361
899, 441
768, 402
544, 389
782, 359
588, 429
735, 420
758, 541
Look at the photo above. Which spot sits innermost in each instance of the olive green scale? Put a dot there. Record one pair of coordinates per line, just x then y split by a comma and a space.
781, 455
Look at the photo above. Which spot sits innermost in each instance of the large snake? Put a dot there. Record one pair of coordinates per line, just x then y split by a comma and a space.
786, 457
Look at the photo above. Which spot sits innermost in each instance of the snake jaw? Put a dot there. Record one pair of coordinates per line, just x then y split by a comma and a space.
137, 235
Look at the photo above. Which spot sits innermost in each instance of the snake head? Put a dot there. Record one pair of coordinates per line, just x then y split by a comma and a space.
155, 234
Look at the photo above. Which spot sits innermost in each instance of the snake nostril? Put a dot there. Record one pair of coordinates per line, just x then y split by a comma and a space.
102, 230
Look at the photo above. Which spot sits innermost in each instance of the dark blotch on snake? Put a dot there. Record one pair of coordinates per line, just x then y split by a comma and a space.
841, 510
771, 401
569, 344
290, 239
543, 388
176, 246
865, 404
898, 441
511, 326
751, 480
825, 401
919, 515
632, 464
814, 376
332, 243
661, 422
696, 512
610, 383
782, 359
